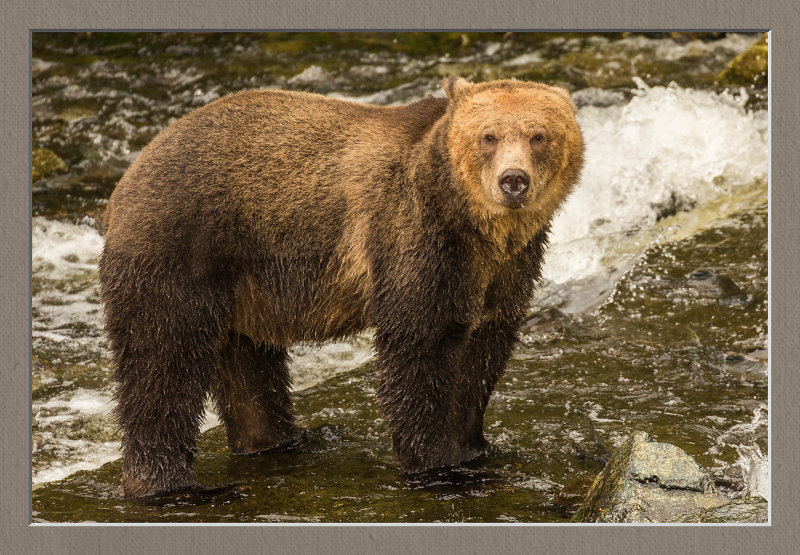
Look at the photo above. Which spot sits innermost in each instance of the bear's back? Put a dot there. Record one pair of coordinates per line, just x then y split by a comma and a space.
265, 156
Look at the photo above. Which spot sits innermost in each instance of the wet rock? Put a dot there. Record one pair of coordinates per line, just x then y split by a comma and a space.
544, 320
312, 76
75, 113
647, 481
526, 59
45, 163
748, 68
748, 367
758, 354
602, 98
672, 206
749, 509
721, 287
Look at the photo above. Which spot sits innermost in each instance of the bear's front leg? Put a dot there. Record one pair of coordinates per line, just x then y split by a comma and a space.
484, 361
490, 345
418, 396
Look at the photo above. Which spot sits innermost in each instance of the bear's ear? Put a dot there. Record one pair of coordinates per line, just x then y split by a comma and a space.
564, 93
454, 85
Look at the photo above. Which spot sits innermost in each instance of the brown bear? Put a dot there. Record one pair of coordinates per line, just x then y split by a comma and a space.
270, 217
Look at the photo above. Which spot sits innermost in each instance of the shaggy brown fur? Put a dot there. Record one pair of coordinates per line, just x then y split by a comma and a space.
269, 217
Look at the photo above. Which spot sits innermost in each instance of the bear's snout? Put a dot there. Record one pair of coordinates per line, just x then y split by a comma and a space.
514, 183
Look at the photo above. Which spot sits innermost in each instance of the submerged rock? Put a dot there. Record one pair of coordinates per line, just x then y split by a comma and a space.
746, 366
571, 496
591, 448
647, 481
749, 67
672, 205
544, 320
712, 285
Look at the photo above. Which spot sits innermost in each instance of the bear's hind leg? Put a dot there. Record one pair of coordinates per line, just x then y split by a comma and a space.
165, 331
252, 396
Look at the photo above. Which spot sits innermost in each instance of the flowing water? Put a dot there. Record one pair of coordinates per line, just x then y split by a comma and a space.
651, 315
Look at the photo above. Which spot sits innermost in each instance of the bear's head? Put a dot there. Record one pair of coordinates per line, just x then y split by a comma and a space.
515, 145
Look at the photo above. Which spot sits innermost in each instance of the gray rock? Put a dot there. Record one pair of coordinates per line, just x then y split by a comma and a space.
544, 320
746, 366
748, 509
647, 481
312, 75
666, 465
713, 285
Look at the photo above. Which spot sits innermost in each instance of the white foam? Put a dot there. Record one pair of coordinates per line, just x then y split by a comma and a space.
755, 471
64, 263
56, 243
54, 428
54, 418
90, 455
80, 402
666, 142
313, 364
754, 465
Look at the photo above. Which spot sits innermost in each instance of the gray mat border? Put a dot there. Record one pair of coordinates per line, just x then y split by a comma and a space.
18, 537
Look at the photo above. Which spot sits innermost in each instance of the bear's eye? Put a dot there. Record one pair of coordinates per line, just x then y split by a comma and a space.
489, 138
538, 138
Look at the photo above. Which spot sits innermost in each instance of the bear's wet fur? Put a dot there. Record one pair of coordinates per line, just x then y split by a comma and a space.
271, 217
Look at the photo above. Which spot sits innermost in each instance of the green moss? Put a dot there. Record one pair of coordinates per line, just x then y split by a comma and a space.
748, 68
45, 163
608, 483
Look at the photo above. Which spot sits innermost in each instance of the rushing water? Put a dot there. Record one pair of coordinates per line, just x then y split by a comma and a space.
652, 313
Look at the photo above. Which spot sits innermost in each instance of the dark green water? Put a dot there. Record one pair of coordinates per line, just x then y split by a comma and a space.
655, 338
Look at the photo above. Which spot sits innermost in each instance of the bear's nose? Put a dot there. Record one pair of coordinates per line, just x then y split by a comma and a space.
514, 183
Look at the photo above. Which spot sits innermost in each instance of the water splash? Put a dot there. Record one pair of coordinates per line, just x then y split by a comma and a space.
668, 150
755, 471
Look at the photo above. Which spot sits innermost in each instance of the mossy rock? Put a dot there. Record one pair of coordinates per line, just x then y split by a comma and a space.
45, 163
749, 67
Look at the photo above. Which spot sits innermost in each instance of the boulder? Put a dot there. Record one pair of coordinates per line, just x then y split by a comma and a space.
648, 481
